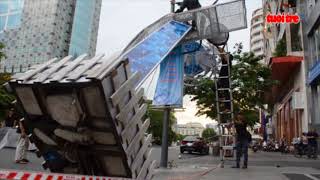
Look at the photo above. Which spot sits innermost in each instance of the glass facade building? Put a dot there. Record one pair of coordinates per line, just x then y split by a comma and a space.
84, 29
35, 31
10, 14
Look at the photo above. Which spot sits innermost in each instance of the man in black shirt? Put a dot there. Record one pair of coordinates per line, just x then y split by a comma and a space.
242, 140
10, 119
312, 143
189, 4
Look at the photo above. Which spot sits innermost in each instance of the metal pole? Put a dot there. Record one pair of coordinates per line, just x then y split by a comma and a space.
165, 126
164, 146
173, 5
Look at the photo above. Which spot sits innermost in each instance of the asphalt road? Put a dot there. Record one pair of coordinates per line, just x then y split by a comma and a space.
177, 159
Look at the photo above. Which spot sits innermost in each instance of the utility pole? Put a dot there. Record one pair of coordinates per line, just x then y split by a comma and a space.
165, 126
173, 5
165, 134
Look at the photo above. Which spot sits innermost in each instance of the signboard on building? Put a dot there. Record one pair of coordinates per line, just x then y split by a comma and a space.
297, 100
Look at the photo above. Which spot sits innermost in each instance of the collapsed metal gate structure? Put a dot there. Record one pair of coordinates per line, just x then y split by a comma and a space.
86, 116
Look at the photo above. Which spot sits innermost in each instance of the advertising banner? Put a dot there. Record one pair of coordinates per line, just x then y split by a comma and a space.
169, 90
148, 54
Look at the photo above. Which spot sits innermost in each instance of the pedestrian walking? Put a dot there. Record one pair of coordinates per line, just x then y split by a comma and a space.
22, 145
312, 143
10, 119
243, 138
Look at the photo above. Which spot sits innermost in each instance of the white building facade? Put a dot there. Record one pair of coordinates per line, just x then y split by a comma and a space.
289, 98
256, 33
190, 129
35, 31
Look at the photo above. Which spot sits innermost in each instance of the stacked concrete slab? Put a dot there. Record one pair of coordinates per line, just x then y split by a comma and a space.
85, 117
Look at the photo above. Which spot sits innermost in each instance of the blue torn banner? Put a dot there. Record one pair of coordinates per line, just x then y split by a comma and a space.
169, 90
149, 53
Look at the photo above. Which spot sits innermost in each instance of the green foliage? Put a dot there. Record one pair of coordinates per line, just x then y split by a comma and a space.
2, 55
156, 123
5, 98
281, 48
209, 134
250, 79
180, 137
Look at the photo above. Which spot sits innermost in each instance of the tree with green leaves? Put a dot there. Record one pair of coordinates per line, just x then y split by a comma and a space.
249, 80
5, 98
281, 48
156, 123
209, 134
180, 137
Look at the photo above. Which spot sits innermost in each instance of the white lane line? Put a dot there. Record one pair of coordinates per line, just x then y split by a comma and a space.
311, 177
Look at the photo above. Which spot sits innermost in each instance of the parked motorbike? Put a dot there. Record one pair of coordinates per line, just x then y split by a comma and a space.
255, 148
277, 147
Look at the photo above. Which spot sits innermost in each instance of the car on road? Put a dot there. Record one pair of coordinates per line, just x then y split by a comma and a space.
194, 144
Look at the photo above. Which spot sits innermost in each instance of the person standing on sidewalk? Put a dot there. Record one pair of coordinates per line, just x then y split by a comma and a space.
243, 139
23, 144
10, 119
312, 143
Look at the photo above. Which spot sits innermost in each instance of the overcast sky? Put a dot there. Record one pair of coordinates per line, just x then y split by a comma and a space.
122, 20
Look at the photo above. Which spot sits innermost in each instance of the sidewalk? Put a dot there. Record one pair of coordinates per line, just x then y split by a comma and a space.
252, 173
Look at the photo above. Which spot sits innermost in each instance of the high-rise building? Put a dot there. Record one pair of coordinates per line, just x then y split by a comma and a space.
42, 30
311, 28
256, 33
10, 14
284, 53
85, 27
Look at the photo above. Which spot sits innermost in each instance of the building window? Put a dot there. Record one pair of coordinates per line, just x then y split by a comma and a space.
16, 5
295, 37
4, 7
2, 22
13, 21
317, 41
313, 51
314, 42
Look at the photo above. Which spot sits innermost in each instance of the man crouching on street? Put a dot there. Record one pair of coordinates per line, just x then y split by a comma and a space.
243, 138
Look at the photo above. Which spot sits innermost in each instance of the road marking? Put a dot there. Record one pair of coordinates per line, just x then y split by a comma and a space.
194, 176
311, 177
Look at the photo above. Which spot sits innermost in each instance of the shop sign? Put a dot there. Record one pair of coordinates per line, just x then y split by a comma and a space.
297, 100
